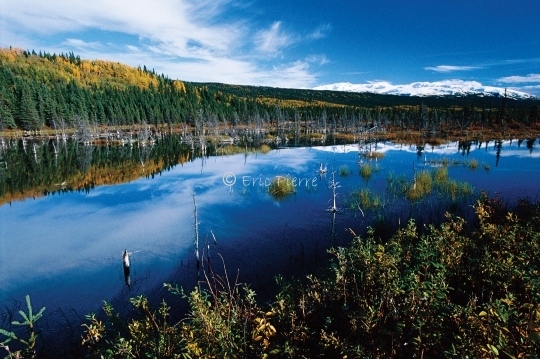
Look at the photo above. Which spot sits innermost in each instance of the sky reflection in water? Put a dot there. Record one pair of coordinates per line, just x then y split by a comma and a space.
65, 249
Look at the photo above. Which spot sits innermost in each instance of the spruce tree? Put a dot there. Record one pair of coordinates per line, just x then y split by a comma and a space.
27, 117
6, 118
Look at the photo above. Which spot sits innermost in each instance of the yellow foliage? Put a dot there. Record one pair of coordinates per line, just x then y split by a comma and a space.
84, 72
179, 86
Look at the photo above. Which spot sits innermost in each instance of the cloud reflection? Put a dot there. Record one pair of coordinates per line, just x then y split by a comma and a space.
57, 235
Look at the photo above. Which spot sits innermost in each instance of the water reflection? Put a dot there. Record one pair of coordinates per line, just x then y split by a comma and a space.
36, 168
64, 249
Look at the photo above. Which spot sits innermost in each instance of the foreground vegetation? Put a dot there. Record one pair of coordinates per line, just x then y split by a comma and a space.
459, 290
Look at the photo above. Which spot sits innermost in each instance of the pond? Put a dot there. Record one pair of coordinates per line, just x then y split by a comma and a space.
63, 246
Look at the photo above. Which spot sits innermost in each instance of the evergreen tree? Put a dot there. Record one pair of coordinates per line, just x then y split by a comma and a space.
6, 118
28, 117
45, 106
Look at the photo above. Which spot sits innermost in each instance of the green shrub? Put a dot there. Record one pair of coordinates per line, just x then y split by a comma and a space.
448, 293
29, 344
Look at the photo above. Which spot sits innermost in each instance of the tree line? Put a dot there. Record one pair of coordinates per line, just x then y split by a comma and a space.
40, 90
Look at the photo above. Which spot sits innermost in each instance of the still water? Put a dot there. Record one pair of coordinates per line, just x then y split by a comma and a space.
65, 249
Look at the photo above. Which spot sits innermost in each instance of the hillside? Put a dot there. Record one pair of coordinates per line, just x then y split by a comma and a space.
351, 97
43, 91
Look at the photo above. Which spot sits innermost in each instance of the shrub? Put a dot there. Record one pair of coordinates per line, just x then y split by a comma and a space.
451, 292
30, 319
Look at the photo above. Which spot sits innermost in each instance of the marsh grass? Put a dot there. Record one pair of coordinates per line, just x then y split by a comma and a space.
439, 182
366, 171
344, 171
441, 175
397, 186
230, 150
364, 199
422, 188
281, 187
471, 164
446, 162
457, 189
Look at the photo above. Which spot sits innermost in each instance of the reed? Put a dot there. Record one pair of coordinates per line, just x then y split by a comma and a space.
281, 187
367, 199
366, 171
422, 187
441, 175
344, 171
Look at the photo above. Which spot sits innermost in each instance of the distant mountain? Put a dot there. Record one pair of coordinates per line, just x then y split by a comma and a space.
423, 89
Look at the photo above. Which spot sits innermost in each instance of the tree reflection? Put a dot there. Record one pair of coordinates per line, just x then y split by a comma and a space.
530, 144
37, 168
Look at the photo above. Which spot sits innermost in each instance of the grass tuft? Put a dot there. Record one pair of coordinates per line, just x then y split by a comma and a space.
365, 171
344, 171
281, 187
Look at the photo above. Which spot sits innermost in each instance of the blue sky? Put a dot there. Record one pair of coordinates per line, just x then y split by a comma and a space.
293, 43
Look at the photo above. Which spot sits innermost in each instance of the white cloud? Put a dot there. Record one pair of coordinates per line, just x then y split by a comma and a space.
83, 45
520, 79
295, 75
320, 32
193, 40
270, 42
450, 68
318, 59
170, 24
133, 48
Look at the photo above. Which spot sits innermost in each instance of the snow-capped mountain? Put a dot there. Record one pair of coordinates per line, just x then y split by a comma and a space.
439, 88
